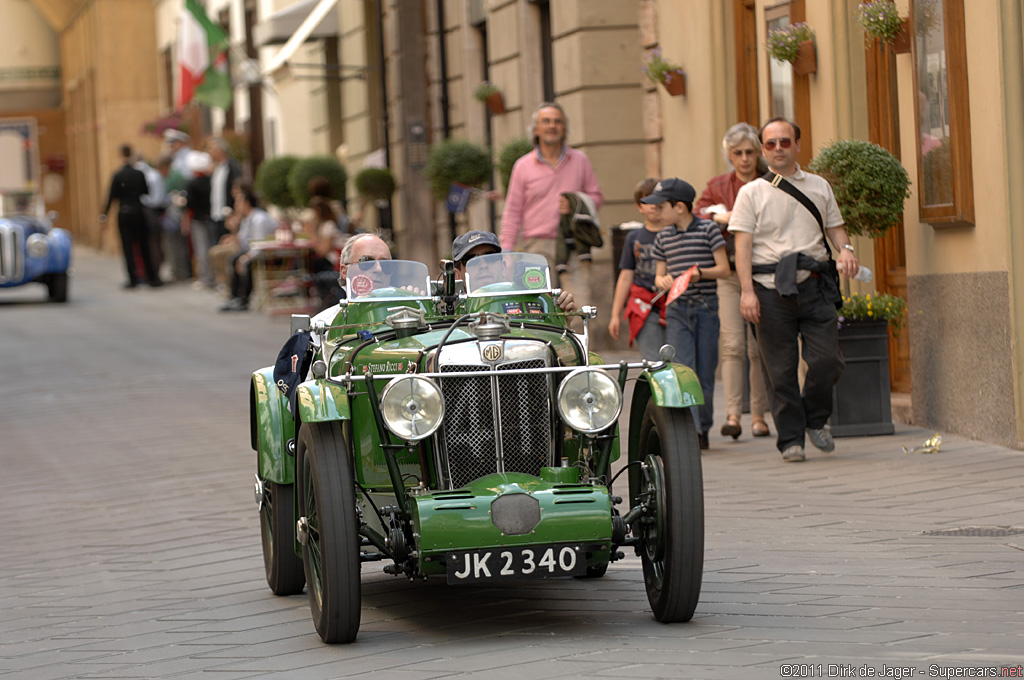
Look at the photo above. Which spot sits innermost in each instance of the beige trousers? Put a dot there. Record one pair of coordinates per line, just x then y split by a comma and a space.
737, 343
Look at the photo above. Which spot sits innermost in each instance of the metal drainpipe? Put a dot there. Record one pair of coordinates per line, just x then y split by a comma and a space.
442, 56
383, 84
386, 215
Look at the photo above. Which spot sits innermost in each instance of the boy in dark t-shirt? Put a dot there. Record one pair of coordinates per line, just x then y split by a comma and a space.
690, 243
635, 288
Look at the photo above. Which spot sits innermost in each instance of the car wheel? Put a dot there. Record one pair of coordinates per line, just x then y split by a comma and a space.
57, 286
672, 532
330, 551
285, 575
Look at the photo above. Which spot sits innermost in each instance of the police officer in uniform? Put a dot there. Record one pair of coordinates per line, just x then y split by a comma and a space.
127, 187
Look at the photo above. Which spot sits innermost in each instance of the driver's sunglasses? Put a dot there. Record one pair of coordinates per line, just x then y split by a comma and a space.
464, 261
370, 258
782, 142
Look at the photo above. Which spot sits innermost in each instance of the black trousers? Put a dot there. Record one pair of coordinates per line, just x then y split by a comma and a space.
131, 223
241, 284
785, 322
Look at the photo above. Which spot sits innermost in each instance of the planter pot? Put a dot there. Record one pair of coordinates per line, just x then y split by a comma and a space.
901, 45
806, 61
496, 103
676, 86
861, 402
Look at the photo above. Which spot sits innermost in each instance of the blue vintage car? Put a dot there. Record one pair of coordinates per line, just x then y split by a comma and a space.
32, 250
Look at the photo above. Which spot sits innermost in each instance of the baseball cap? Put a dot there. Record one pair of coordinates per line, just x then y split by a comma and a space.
471, 239
292, 365
176, 136
672, 189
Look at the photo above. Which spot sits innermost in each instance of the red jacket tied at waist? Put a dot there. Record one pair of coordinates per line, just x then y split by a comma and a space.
638, 307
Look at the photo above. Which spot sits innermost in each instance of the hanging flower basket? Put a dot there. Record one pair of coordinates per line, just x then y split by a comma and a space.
794, 44
659, 70
806, 61
901, 43
881, 19
675, 83
489, 94
495, 103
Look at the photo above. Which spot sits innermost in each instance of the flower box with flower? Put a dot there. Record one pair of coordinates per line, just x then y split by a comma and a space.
661, 71
489, 94
861, 401
880, 19
794, 44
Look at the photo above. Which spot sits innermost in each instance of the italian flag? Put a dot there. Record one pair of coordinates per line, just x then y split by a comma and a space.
202, 55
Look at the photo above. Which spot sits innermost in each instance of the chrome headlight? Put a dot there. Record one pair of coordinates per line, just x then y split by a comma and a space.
37, 245
589, 400
412, 407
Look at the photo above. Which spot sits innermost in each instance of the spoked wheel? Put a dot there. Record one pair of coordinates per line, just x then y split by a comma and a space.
277, 531
329, 531
672, 531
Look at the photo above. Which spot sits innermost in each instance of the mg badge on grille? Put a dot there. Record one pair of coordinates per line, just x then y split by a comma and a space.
492, 352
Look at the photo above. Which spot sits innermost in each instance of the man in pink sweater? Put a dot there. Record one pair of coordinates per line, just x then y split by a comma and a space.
534, 204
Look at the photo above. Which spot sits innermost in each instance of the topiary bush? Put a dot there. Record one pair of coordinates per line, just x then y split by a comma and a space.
869, 183
317, 167
459, 161
509, 154
375, 183
272, 180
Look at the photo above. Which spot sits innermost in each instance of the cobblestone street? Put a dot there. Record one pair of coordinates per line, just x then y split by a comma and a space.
132, 549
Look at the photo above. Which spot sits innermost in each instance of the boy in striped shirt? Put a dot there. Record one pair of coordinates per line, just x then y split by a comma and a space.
692, 318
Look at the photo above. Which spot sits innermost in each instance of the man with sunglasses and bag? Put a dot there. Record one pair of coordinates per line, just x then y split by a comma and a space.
788, 286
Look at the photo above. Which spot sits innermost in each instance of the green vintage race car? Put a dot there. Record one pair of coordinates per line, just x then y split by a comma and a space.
466, 432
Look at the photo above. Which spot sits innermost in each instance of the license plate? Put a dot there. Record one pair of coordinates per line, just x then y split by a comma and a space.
516, 562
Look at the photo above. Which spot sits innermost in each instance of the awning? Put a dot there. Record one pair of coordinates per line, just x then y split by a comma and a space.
282, 25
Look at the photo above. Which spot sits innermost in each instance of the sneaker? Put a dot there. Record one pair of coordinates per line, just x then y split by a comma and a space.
702, 441
822, 439
794, 454
235, 305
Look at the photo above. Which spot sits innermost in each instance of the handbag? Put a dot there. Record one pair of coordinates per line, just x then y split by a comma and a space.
833, 292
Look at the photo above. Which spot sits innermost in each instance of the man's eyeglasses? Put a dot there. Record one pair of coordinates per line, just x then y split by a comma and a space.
464, 261
781, 142
370, 258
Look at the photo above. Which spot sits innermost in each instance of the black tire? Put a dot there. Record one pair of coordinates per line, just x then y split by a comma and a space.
57, 286
672, 538
330, 554
285, 575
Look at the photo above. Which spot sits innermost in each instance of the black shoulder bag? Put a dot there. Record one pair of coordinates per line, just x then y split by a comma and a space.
780, 182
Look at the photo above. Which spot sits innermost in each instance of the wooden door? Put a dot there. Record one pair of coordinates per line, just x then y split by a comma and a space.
745, 35
890, 250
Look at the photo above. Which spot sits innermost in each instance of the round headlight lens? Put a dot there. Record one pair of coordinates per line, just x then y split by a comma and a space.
412, 407
37, 245
589, 400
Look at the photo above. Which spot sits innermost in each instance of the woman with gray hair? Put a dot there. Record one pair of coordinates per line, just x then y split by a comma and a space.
741, 147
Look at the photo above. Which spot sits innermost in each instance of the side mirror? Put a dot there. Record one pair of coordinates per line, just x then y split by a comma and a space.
666, 353
300, 322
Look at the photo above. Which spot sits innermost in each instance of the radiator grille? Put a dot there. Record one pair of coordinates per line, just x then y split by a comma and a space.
471, 431
12, 259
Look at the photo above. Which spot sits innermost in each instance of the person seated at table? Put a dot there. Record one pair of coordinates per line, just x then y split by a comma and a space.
255, 224
473, 243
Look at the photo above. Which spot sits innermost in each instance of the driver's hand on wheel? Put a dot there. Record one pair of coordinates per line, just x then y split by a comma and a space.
566, 302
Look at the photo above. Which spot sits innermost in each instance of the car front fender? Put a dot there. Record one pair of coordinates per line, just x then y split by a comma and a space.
675, 386
320, 402
271, 428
